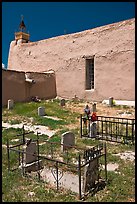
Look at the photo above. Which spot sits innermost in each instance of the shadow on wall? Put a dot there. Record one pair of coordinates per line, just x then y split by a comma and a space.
21, 86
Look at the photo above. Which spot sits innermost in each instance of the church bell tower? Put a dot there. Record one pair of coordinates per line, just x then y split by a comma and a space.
22, 36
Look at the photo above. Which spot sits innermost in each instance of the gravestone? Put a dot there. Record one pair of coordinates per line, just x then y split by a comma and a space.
94, 107
62, 102
41, 111
90, 177
30, 160
93, 129
67, 138
111, 101
31, 150
10, 104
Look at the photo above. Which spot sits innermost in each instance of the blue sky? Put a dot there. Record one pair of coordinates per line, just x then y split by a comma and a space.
49, 19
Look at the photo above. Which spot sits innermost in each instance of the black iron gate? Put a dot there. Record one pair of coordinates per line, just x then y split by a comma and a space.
121, 130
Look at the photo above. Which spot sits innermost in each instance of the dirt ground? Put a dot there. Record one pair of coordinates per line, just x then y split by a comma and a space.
105, 110
102, 110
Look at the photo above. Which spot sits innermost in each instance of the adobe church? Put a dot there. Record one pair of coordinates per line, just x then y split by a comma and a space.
93, 64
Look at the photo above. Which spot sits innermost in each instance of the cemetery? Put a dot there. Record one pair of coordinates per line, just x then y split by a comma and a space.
79, 158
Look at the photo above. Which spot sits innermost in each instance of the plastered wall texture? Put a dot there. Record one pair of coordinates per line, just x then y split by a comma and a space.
15, 87
113, 48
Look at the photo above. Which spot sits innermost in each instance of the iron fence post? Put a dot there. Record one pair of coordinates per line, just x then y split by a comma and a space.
38, 155
105, 155
81, 125
23, 162
8, 154
126, 131
79, 172
102, 128
23, 135
57, 174
19, 154
132, 131
89, 123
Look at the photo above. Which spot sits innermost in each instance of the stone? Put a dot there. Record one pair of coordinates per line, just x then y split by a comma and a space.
62, 102
67, 138
94, 107
41, 111
93, 129
111, 101
10, 104
30, 160
31, 150
90, 177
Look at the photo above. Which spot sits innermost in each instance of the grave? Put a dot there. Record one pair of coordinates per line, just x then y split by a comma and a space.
94, 107
31, 150
67, 138
93, 129
90, 175
41, 111
30, 160
10, 104
72, 177
62, 102
111, 101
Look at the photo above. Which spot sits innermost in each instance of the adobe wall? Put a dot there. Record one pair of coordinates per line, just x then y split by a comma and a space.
14, 86
113, 47
44, 86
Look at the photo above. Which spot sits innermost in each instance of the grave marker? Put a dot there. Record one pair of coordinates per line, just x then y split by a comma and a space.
93, 129
111, 101
41, 111
30, 161
68, 138
10, 104
62, 102
94, 107
90, 175
31, 150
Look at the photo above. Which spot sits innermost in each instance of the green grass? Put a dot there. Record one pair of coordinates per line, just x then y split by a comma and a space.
25, 111
15, 187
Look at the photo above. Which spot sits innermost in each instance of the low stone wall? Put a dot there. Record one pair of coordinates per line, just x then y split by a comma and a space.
15, 86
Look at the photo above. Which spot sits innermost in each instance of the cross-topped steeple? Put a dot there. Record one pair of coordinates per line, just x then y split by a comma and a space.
22, 24
22, 36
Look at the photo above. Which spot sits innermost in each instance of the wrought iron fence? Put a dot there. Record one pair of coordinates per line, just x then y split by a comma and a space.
73, 159
121, 130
